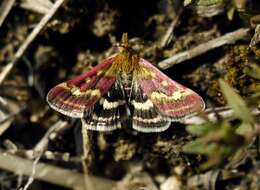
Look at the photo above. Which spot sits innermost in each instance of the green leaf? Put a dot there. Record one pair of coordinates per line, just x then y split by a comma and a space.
199, 147
253, 72
244, 128
200, 130
193, 147
256, 95
230, 13
236, 102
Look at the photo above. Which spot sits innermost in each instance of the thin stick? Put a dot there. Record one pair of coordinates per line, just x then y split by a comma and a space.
228, 38
52, 174
5, 8
42, 145
29, 39
31, 178
40, 148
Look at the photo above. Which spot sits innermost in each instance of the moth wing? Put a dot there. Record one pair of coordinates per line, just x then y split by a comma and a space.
78, 95
108, 112
145, 116
171, 99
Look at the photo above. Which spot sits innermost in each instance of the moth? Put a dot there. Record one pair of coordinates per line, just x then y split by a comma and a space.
125, 88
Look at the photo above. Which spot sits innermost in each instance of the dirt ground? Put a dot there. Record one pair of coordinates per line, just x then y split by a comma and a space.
210, 46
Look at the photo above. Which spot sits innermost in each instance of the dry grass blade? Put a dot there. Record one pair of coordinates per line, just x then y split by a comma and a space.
39, 6
213, 114
228, 38
5, 122
8, 110
6, 70
5, 8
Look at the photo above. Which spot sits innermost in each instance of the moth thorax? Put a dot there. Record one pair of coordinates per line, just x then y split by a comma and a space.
126, 61
126, 82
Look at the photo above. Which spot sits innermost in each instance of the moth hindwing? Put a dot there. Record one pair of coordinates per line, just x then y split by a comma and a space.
125, 87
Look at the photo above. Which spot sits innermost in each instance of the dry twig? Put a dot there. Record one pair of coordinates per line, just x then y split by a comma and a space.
6, 70
5, 122
42, 145
52, 174
228, 38
87, 156
211, 114
39, 6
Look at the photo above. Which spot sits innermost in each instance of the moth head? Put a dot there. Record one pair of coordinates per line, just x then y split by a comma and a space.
123, 46
127, 59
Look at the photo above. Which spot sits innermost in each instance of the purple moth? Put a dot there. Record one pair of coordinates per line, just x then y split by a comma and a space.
125, 87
